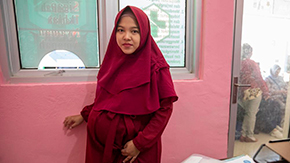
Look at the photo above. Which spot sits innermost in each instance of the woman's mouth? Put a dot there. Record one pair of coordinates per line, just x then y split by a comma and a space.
127, 45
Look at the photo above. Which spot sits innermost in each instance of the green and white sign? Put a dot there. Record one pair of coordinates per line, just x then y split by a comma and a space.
45, 26
167, 20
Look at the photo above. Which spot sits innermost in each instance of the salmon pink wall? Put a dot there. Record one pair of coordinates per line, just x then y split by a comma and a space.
32, 114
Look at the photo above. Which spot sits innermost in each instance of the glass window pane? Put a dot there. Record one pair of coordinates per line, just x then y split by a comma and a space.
167, 20
265, 47
48, 28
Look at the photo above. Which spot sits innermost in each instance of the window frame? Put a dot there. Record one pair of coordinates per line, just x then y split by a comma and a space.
107, 10
192, 37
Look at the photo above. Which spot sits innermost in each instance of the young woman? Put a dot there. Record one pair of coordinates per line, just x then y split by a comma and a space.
134, 96
250, 98
278, 95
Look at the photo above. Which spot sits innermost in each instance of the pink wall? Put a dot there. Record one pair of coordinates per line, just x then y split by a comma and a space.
32, 114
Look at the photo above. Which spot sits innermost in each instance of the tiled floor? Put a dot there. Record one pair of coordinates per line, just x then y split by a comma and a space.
243, 148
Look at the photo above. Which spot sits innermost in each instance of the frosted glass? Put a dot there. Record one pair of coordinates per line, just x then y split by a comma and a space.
51, 26
167, 20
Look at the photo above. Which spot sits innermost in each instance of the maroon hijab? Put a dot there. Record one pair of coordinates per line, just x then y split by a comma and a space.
127, 84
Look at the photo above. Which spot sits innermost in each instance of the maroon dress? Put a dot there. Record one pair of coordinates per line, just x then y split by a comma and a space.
134, 99
109, 132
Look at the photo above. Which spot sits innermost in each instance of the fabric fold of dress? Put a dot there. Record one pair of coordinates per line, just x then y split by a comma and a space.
114, 130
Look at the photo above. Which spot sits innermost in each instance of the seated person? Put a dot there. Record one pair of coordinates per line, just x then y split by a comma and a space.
270, 116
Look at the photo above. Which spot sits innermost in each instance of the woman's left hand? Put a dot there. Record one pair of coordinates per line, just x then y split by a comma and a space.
130, 151
266, 98
73, 121
283, 92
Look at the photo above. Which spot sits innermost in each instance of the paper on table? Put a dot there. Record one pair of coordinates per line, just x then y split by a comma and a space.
240, 159
193, 159
196, 158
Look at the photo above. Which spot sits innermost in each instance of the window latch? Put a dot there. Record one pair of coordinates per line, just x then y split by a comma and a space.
55, 73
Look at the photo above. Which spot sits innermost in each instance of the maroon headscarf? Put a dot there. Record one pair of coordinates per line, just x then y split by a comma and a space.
127, 83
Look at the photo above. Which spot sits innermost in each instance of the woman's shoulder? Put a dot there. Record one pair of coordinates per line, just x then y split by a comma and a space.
280, 78
248, 62
267, 78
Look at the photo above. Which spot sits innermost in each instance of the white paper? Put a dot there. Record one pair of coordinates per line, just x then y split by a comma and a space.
193, 159
197, 158
240, 159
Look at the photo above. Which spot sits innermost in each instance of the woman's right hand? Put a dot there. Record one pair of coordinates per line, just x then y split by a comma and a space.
72, 121
284, 92
266, 98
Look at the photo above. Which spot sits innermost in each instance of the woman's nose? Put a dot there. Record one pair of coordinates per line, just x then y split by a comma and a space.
127, 36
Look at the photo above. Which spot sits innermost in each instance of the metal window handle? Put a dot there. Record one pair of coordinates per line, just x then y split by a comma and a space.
55, 73
235, 91
242, 85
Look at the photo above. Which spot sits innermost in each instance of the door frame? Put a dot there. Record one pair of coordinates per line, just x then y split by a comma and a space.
236, 57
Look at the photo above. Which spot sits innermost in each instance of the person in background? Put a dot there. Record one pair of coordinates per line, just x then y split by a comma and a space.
278, 94
134, 96
250, 97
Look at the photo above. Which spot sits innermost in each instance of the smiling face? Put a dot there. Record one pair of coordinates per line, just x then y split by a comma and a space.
128, 35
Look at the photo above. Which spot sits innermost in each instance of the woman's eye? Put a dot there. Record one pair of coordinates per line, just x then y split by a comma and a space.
120, 30
135, 31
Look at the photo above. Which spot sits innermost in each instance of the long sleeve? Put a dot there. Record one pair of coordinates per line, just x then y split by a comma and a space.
260, 81
276, 87
273, 88
86, 111
153, 131
251, 74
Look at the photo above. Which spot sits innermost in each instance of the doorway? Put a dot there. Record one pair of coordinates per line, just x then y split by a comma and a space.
263, 26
